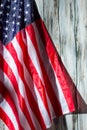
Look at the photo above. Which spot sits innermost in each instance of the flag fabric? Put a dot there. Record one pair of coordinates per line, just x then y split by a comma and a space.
34, 84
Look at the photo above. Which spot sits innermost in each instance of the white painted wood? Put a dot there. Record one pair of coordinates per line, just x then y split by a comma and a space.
68, 48
81, 25
66, 22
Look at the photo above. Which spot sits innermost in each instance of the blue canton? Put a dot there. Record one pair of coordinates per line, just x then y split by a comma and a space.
14, 16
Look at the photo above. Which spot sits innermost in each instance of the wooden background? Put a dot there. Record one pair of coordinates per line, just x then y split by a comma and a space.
66, 21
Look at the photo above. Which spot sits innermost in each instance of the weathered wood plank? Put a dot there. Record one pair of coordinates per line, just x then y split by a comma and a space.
66, 23
81, 43
40, 6
50, 18
68, 46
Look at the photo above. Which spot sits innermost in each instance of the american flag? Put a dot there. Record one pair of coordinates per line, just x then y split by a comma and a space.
34, 84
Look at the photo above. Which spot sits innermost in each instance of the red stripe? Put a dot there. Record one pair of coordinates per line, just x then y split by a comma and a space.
6, 120
30, 97
6, 95
22, 104
21, 74
56, 63
43, 96
25, 58
48, 86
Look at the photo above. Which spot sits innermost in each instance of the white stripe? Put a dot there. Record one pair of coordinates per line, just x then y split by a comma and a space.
46, 65
10, 88
20, 58
33, 55
18, 49
50, 69
10, 61
8, 110
27, 77
43, 110
28, 80
52, 113
62, 99
8, 58
23, 33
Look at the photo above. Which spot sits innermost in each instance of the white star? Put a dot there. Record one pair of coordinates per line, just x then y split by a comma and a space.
13, 22
7, 14
14, 8
6, 36
20, 9
8, 7
2, 5
15, 1
12, 29
7, 21
26, 12
25, 19
28, 5
19, 16
6, 28
18, 23
21, 2
13, 15
0, 12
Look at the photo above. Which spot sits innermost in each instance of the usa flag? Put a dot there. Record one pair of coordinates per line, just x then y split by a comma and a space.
34, 84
